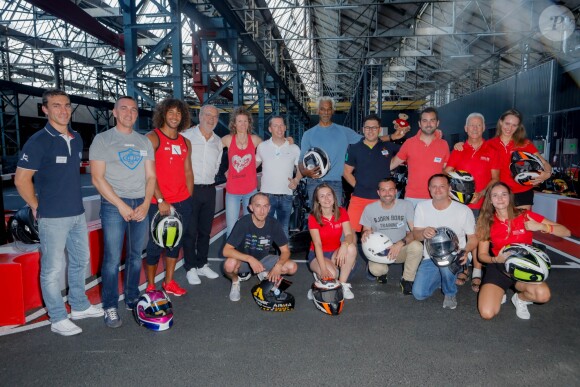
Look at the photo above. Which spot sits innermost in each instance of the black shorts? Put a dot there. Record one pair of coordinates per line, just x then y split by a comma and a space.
495, 274
525, 198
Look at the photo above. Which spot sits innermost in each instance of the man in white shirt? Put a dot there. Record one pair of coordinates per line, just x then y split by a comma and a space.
279, 160
206, 155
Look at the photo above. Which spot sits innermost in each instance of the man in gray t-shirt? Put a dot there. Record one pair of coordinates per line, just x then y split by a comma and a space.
394, 218
123, 171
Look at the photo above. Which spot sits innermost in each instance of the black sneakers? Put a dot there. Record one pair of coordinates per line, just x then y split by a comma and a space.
382, 279
406, 286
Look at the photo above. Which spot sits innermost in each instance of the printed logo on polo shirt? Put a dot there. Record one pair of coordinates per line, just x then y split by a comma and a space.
518, 232
484, 158
131, 158
24, 157
175, 149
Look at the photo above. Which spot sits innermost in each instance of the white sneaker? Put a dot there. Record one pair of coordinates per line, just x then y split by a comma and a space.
262, 275
192, 277
309, 294
206, 271
244, 276
91, 311
65, 328
348, 294
504, 299
235, 292
521, 307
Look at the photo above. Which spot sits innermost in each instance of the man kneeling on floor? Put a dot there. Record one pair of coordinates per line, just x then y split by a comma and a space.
248, 247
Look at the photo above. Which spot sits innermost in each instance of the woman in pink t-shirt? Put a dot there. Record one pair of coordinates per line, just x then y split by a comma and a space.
242, 180
330, 257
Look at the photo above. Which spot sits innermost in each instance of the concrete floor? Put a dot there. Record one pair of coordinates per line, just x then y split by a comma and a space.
382, 338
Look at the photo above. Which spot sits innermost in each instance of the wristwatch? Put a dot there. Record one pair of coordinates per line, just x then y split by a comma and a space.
160, 200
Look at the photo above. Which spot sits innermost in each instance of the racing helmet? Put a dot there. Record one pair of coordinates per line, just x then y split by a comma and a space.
462, 186
23, 226
153, 311
526, 263
443, 248
272, 298
166, 230
327, 296
317, 157
376, 248
525, 167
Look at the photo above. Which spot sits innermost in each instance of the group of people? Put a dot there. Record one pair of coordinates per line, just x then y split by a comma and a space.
172, 169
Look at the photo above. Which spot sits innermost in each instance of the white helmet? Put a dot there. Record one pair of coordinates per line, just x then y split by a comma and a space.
526, 263
167, 230
376, 248
525, 167
317, 157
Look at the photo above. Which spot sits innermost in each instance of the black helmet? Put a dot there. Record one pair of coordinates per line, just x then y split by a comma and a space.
525, 167
317, 157
272, 297
23, 226
462, 186
443, 248
328, 296
166, 230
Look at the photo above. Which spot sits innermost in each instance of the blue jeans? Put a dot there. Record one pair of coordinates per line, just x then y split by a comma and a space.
56, 235
183, 208
233, 208
311, 185
430, 278
280, 208
115, 228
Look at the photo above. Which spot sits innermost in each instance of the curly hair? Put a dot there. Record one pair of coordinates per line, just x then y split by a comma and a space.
487, 212
317, 209
164, 106
240, 110
519, 135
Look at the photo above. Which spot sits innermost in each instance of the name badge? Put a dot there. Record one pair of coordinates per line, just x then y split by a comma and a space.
385, 152
143, 153
400, 224
264, 241
175, 150
438, 159
61, 159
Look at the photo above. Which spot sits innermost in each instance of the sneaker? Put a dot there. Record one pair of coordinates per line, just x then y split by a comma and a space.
262, 275
450, 302
521, 307
244, 276
406, 286
504, 299
382, 279
65, 328
206, 271
192, 277
174, 288
309, 295
112, 319
91, 311
348, 294
235, 292
150, 288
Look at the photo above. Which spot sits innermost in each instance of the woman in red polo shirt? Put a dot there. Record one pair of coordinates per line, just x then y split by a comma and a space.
510, 136
500, 223
330, 257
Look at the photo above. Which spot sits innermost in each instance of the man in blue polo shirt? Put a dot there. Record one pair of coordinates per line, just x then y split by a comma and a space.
367, 162
53, 155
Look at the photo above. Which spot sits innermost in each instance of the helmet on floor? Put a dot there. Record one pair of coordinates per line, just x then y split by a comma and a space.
525, 167
166, 230
23, 226
316, 157
328, 296
272, 298
153, 311
526, 263
462, 186
377, 247
443, 248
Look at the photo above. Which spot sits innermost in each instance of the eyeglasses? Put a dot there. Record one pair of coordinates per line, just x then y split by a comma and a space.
371, 127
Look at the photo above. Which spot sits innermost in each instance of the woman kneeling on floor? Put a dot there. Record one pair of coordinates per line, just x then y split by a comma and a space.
330, 257
500, 223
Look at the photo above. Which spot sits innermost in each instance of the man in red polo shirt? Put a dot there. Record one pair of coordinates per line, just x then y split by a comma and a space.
426, 155
481, 161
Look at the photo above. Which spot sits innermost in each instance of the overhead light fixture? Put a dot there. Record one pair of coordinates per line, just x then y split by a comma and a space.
462, 56
491, 34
